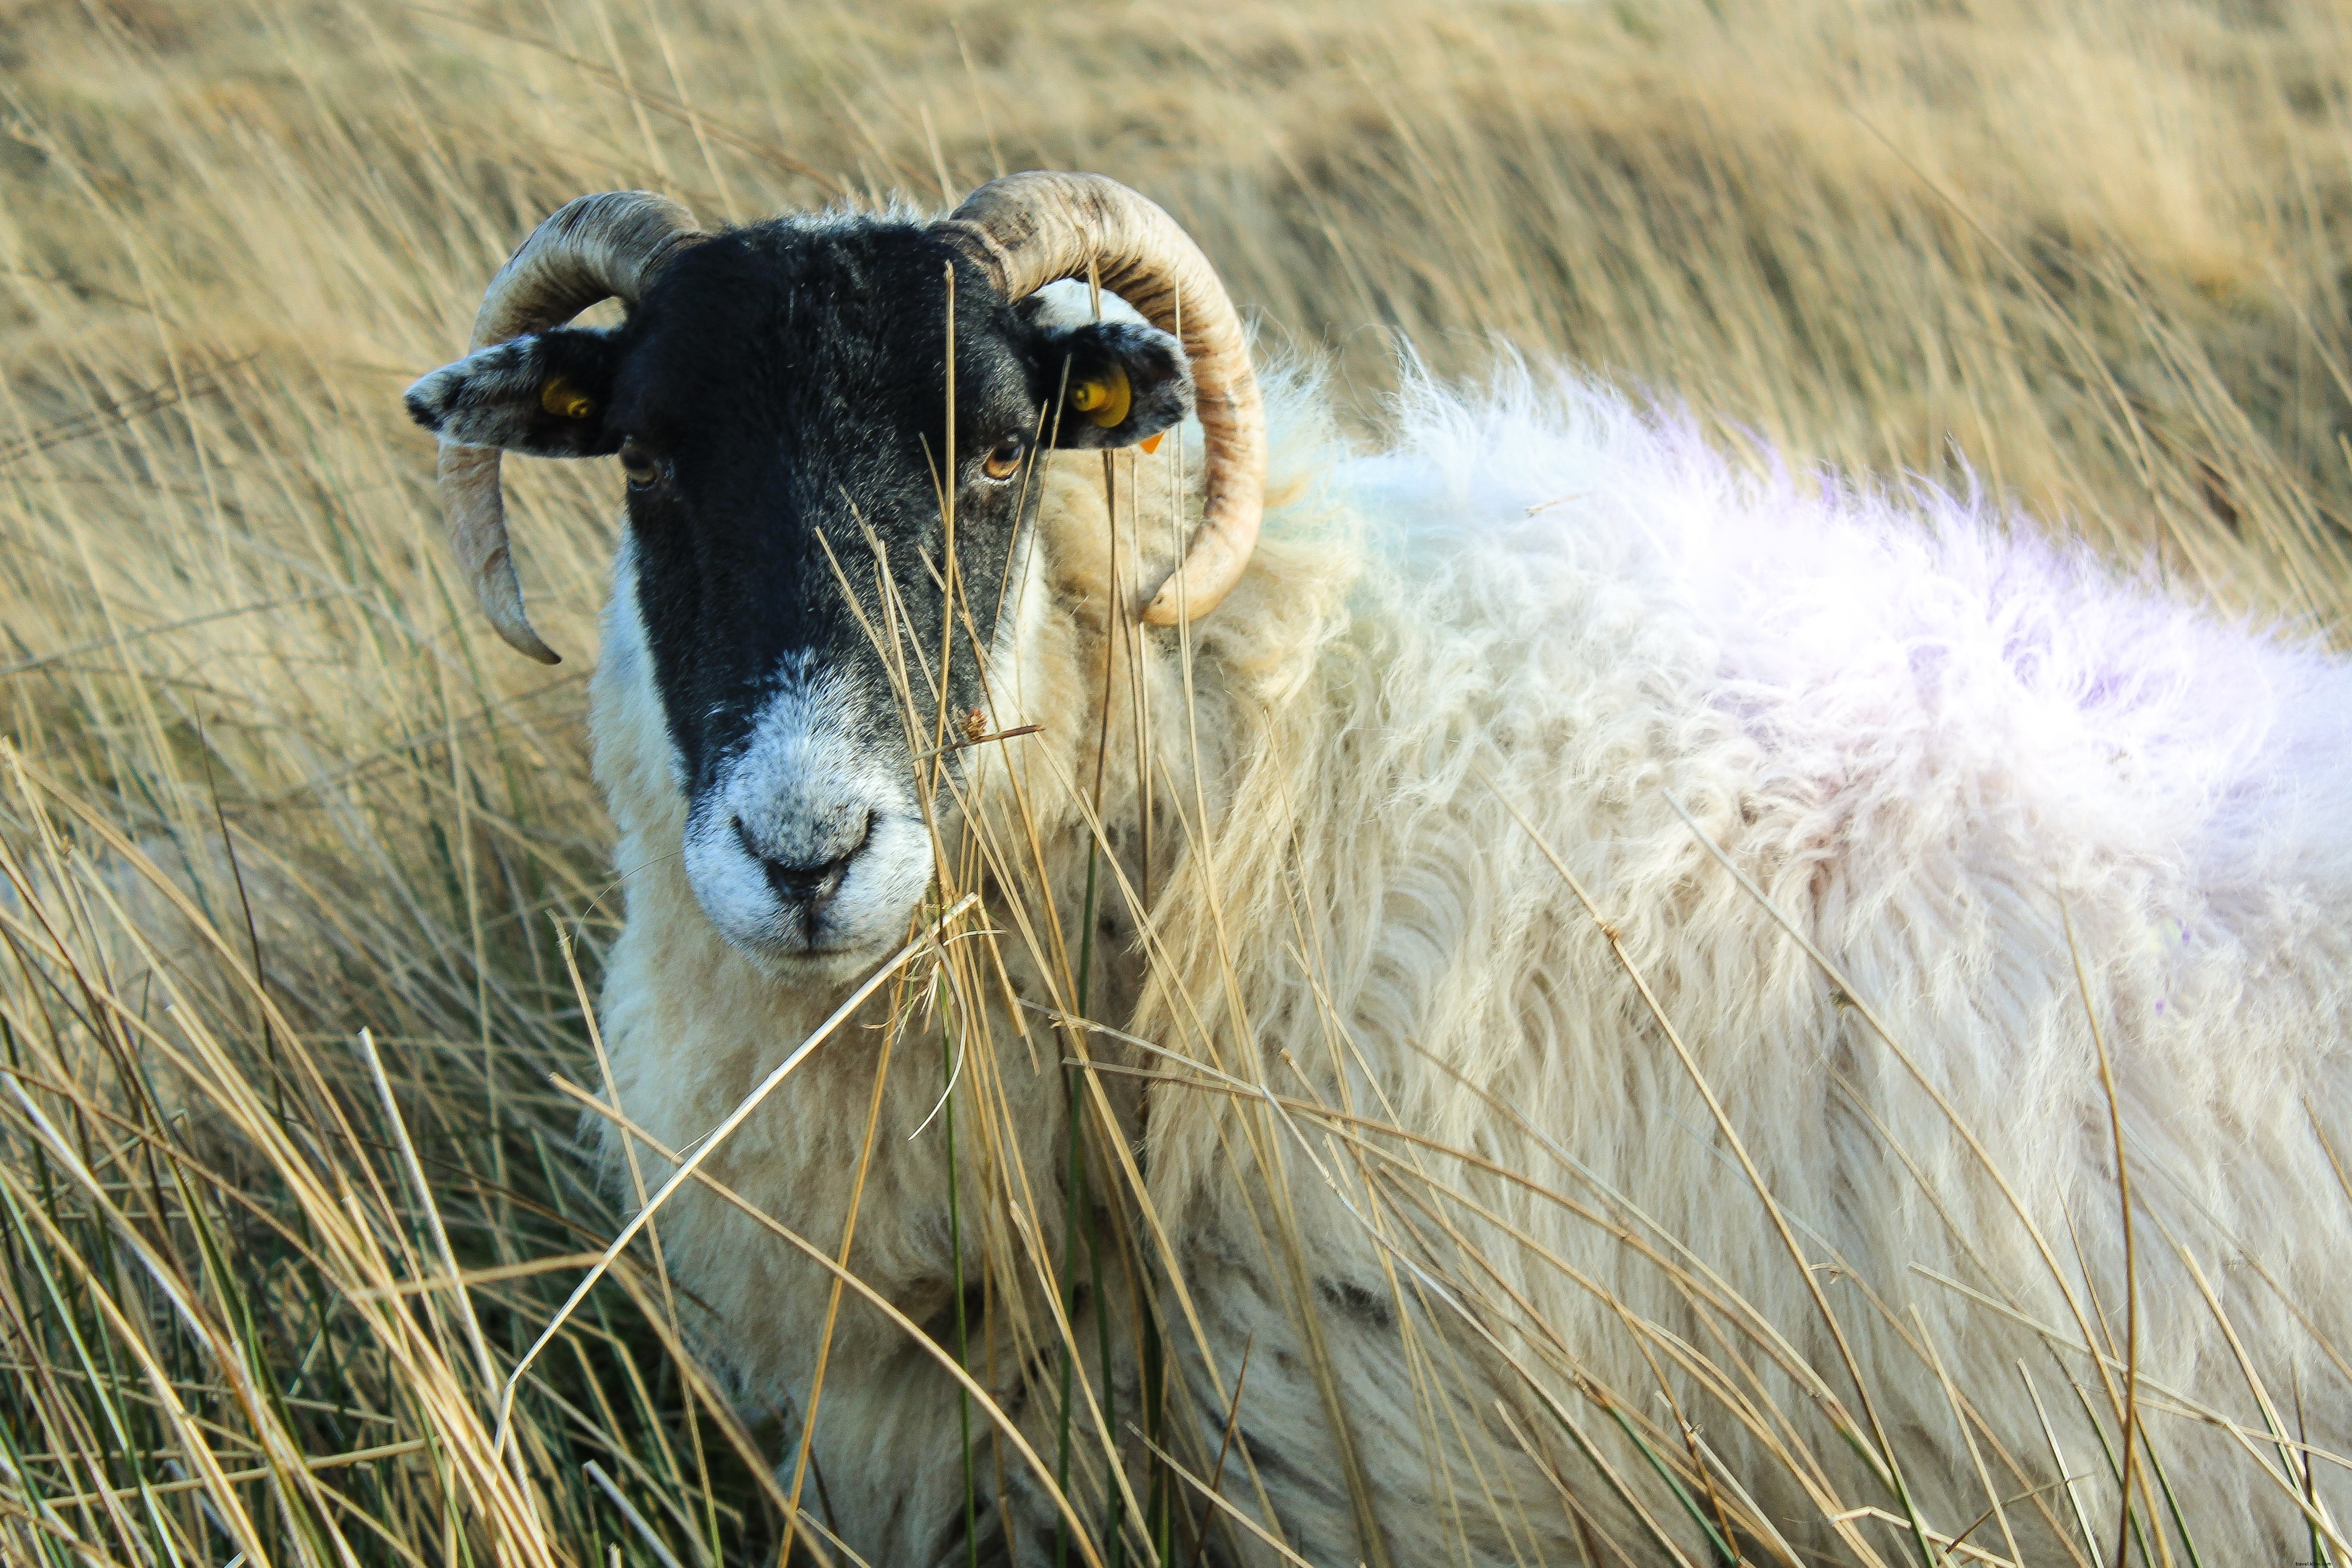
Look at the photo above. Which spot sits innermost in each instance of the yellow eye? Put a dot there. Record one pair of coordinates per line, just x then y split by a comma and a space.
1004, 459
637, 465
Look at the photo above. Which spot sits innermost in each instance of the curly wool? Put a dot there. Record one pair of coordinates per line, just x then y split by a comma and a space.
1960, 760
2005, 793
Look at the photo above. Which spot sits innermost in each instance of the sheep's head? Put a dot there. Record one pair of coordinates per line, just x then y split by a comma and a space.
778, 399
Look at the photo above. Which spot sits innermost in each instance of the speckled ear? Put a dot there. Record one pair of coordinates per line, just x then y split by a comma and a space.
1125, 382
543, 394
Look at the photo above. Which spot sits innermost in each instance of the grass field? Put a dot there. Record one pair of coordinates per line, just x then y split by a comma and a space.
268, 781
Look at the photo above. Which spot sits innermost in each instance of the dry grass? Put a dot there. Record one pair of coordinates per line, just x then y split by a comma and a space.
268, 784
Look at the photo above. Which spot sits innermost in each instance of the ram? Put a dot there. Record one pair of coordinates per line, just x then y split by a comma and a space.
1787, 919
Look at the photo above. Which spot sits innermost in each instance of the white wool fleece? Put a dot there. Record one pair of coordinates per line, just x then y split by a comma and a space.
1935, 742
1961, 760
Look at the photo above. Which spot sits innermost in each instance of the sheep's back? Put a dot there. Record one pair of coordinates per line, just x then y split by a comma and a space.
1958, 757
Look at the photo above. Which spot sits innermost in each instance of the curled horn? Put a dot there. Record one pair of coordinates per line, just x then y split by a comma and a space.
1024, 231
605, 246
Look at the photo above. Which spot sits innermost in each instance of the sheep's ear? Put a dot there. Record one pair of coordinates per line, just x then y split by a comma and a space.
1125, 382
543, 394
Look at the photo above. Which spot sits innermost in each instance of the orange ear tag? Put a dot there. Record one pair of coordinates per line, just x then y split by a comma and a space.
1104, 402
1151, 444
562, 399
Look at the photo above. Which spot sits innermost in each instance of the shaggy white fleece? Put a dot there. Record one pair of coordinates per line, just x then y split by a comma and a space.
2025, 807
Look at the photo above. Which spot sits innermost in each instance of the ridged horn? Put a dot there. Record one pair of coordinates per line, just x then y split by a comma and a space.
1024, 231
606, 246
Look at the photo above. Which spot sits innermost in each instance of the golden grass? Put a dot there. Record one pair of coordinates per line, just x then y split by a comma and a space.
268, 782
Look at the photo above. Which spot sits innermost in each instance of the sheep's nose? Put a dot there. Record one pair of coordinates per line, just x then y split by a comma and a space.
805, 883
810, 884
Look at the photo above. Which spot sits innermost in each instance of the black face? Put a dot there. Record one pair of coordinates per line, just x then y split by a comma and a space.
779, 403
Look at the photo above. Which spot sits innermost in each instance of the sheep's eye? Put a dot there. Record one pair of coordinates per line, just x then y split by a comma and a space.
1004, 459
639, 465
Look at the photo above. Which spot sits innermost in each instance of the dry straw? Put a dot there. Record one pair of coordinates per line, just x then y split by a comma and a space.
266, 1298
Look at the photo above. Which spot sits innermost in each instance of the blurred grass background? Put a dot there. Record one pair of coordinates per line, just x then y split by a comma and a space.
269, 780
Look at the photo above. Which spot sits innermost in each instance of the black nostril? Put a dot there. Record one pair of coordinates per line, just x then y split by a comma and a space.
811, 884
806, 884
